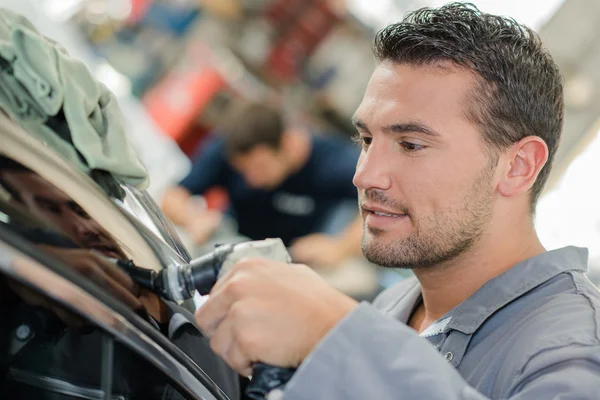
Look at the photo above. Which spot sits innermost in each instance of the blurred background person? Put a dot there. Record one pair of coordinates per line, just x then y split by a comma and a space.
281, 181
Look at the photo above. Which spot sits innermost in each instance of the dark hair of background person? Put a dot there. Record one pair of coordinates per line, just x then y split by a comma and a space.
520, 90
249, 125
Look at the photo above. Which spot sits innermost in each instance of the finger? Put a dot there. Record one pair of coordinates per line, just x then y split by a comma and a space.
305, 255
238, 361
223, 343
232, 288
213, 312
244, 266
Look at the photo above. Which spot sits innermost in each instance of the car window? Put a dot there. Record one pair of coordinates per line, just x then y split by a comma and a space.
50, 352
61, 338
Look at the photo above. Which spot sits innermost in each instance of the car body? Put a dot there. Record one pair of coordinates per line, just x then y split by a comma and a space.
66, 332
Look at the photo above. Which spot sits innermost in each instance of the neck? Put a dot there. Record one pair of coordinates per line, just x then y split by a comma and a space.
446, 285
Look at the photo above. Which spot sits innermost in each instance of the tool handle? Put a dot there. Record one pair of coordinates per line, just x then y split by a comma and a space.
266, 378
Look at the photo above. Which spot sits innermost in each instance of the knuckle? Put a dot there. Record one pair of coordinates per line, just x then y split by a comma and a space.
236, 360
237, 285
199, 320
246, 340
248, 263
238, 311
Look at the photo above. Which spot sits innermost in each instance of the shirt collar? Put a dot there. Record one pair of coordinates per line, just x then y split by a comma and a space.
512, 284
178, 317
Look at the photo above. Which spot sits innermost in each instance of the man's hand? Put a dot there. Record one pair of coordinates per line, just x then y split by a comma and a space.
318, 250
270, 312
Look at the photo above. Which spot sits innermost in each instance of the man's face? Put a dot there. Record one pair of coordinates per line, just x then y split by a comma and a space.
262, 167
58, 210
424, 175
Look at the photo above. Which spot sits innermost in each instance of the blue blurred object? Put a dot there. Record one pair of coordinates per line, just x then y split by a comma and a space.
174, 19
322, 79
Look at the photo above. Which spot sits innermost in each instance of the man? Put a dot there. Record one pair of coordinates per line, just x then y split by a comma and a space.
458, 125
282, 182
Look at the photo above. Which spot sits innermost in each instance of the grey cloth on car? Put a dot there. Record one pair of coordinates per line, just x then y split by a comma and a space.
39, 82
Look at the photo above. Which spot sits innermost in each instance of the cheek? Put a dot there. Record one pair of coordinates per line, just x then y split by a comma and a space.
447, 187
428, 184
277, 169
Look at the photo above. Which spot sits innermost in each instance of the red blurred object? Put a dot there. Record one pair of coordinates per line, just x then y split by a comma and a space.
138, 10
216, 198
177, 100
300, 25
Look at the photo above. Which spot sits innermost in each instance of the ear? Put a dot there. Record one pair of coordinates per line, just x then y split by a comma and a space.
524, 161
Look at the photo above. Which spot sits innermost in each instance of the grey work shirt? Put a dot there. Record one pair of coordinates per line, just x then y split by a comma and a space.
531, 333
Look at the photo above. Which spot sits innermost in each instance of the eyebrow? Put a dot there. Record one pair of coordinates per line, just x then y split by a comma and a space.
42, 199
406, 127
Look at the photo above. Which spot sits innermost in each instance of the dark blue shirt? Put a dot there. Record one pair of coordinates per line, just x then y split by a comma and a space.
294, 209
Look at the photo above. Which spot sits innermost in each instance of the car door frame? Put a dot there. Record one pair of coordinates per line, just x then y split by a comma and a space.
28, 265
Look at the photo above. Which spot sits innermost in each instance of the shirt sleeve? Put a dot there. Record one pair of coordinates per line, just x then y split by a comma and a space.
208, 168
371, 356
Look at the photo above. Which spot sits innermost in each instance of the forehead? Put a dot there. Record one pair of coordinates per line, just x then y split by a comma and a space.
436, 95
257, 152
29, 182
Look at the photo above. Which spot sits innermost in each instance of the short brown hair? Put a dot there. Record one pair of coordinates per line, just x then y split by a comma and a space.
250, 125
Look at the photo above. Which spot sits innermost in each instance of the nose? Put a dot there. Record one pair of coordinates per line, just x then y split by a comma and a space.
84, 228
372, 169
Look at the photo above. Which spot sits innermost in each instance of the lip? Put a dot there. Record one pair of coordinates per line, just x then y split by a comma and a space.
107, 250
373, 208
384, 222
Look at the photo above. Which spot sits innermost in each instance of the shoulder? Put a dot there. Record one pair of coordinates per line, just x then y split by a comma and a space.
558, 325
334, 159
212, 145
559, 334
567, 306
210, 152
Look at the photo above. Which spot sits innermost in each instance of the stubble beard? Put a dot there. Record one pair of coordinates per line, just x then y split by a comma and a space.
437, 238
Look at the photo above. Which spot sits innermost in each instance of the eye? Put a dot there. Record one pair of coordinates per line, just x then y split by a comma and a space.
411, 147
78, 210
48, 205
362, 141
